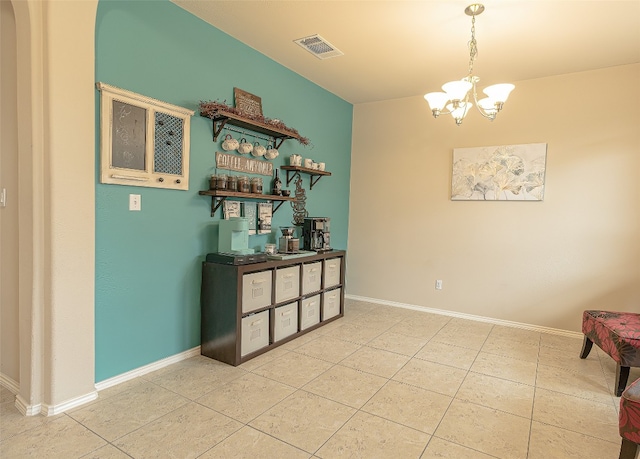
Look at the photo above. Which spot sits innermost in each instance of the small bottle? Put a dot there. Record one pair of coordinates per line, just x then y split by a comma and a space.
276, 189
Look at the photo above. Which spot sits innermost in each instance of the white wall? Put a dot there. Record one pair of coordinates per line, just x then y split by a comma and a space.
9, 356
56, 144
540, 263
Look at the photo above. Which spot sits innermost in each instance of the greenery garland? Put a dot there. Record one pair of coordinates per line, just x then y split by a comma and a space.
211, 108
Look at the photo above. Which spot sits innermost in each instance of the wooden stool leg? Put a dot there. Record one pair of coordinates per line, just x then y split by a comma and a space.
628, 449
586, 347
622, 375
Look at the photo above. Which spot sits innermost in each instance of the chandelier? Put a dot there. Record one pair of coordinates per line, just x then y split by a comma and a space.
457, 94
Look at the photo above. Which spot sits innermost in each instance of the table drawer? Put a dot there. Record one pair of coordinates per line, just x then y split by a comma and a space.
311, 277
286, 321
309, 312
255, 332
332, 272
331, 303
256, 291
287, 283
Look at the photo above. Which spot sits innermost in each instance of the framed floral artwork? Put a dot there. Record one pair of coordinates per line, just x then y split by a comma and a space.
499, 173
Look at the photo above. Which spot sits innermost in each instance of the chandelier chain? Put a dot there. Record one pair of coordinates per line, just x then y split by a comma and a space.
473, 45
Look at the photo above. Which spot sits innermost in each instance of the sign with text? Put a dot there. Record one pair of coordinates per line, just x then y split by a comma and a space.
243, 164
247, 103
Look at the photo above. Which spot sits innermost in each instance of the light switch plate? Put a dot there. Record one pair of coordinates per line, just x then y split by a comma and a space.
135, 202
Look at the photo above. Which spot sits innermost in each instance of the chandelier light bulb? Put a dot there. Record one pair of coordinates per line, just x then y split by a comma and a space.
457, 94
499, 92
457, 90
460, 111
437, 101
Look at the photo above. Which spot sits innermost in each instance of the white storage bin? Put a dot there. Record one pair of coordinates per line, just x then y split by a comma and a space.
309, 312
331, 304
311, 277
255, 332
287, 283
331, 272
286, 321
256, 291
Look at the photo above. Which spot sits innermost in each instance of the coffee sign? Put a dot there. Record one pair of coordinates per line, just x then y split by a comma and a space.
243, 164
247, 103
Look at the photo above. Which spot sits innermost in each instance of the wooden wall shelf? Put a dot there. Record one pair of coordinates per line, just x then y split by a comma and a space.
305, 170
219, 196
221, 118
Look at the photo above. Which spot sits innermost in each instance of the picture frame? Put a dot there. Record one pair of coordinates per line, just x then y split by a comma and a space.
143, 141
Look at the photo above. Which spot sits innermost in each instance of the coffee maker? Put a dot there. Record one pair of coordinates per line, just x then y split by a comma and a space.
316, 234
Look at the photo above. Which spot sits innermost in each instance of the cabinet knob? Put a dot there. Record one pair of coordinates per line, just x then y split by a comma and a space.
178, 181
160, 179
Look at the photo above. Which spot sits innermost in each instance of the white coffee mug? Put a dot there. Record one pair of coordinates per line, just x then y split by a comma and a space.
230, 143
258, 150
308, 163
321, 166
271, 153
245, 147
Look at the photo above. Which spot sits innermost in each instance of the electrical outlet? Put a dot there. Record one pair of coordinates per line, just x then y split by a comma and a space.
439, 284
135, 202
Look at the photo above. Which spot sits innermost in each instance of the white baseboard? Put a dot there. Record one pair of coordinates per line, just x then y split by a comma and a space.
25, 408
51, 410
461, 315
114, 381
9, 383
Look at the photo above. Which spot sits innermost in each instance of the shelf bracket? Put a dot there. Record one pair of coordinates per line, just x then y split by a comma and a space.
277, 141
292, 176
216, 202
217, 127
276, 206
313, 182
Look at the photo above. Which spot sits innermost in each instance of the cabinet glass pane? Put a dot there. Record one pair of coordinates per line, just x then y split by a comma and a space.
129, 136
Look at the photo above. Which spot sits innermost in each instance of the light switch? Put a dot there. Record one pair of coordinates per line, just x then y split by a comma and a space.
135, 202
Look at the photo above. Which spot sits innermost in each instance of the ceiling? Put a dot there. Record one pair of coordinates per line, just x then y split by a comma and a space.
398, 48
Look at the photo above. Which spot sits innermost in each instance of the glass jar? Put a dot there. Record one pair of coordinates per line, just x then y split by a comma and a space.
232, 183
243, 184
213, 182
221, 182
256, 185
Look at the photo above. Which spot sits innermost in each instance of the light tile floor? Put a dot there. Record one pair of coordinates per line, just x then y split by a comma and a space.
380, 382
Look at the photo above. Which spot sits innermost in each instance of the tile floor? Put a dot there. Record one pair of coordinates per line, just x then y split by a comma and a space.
380, 382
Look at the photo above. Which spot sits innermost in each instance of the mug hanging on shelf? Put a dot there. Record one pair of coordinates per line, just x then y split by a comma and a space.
271, 153
230, 143
245, 147
258, 150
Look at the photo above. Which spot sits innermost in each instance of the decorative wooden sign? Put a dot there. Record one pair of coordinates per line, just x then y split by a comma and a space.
243, 164
247, 103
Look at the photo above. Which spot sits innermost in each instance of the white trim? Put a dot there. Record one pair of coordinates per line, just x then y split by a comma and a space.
51, 410
462, 315
9, 383
25, 408
141, 371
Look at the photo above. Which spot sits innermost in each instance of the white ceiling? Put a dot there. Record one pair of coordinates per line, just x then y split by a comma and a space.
399, 48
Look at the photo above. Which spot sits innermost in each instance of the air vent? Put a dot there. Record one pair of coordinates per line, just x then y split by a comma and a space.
319, 47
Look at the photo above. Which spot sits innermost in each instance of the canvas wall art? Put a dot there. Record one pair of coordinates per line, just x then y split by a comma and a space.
499, 173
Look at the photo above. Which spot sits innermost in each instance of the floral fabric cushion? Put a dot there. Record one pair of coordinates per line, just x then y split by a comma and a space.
616, 333
630, 413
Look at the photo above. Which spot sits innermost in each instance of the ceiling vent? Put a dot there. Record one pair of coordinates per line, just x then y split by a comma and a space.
319, 47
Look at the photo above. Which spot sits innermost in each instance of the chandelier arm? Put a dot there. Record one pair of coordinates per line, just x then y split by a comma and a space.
489, 115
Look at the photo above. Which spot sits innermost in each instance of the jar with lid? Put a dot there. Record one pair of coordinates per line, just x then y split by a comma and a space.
256, 185
232, 183
243, 184
221, 182
213, 182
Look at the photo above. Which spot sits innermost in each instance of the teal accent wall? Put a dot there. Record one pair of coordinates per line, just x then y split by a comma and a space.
148, 262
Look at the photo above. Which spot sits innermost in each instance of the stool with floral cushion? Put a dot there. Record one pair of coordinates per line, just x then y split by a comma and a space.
630, 421
617, 334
